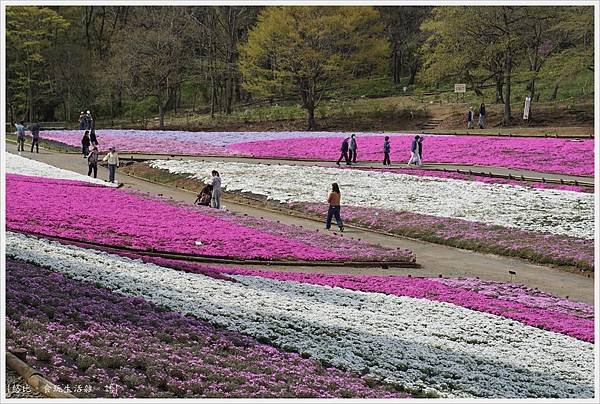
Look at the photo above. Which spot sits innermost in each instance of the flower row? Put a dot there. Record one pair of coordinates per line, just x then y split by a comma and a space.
543, 155
79, 334
541, 210
424, 346
118, 218
27, 167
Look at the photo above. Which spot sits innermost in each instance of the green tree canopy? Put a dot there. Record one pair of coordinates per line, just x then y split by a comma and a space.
309, 49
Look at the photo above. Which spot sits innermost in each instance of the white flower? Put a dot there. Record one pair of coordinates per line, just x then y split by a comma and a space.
543, 210
422, 345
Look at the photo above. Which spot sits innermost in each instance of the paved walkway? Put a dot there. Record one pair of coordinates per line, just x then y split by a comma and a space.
435, 259
366, 164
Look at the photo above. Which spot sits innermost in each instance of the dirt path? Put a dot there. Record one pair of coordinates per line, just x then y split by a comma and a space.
435, 259
516, 172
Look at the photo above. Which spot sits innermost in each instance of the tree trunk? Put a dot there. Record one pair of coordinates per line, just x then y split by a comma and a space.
161, 115
554, 92
413, 73
499, 95
507, 77
312, 124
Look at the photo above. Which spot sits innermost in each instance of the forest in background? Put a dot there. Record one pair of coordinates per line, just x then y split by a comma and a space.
134, 63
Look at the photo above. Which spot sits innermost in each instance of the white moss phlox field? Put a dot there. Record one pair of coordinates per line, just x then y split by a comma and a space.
21, 165
542, 210
426, 346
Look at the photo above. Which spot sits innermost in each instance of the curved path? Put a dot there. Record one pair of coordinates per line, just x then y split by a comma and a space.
435, 259
516, 172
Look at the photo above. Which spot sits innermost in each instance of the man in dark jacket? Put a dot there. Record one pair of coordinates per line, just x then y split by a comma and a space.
352, 149
92, 159
344, 154
35, 134
482, 116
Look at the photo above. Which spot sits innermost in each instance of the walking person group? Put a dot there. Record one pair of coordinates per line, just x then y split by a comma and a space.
348, 150
35, 136
471, 117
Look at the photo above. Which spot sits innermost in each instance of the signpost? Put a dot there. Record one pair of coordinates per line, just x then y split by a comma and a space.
460, 88
526, 108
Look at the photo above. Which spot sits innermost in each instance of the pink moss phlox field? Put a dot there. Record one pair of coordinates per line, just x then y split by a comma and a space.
112, 217
357, 249
538, 247
478, 178
538, 154
80, 335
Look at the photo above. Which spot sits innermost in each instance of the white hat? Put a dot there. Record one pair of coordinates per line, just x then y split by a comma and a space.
88, 112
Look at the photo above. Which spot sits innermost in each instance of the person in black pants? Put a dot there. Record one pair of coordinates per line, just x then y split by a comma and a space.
353, 147
85, 144
386, 151
35, 135
344, 154
92, 159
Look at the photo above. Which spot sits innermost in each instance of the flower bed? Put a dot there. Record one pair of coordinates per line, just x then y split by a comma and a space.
20, 165
542, 248
540, 210
109, 344
180, 142
479, 178
526, 305
566, 156
117, 218
544, 155
433, 348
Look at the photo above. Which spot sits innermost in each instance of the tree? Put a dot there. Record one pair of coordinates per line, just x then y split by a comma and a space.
30, 32
309, 49
217, 32
402, 27
476, 44
152, 53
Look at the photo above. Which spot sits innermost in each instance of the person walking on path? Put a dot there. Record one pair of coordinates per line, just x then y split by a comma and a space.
92, 159
85, 144
352, 148
82, 121
20, 136
482, 116
93, 138
420, 144
89, 121
113, 162
470, 117
414, 152
344, 155
334, 200
35, 137
215, 201
386, 151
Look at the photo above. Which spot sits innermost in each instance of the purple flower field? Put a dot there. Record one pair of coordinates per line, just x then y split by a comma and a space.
79, 334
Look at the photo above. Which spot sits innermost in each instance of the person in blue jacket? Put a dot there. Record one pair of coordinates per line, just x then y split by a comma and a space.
344, 154
414, 151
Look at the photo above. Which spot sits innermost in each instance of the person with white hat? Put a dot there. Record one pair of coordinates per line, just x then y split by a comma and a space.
470, 118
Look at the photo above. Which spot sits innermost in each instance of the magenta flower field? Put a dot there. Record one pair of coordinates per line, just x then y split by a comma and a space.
113, 217
549, 155
538, 154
